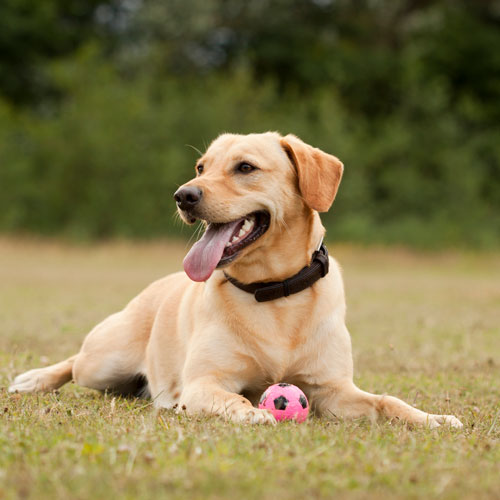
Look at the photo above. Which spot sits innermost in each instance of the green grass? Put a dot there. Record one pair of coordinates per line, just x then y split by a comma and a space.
425, 327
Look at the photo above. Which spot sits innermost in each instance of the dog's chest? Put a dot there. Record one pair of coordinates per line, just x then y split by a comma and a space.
280, 339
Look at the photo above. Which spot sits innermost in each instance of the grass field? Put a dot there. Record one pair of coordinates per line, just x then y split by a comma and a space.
425, 328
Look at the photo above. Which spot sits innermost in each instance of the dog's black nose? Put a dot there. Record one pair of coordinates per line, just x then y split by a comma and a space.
187, 197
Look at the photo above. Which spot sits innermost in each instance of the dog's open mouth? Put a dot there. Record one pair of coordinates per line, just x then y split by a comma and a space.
221, 244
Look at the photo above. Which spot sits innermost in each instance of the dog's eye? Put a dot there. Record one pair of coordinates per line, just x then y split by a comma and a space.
199, 169
245, 168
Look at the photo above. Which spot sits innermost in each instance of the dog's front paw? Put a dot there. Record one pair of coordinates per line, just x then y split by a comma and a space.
438, 420
235, 410
252, 416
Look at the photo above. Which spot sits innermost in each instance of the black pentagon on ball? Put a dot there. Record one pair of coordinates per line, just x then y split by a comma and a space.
303, 401
281, 403
283, 384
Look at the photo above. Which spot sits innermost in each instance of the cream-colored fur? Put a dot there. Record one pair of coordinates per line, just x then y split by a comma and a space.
210, 347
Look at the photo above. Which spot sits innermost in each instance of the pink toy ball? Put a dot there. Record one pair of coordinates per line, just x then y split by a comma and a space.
285, 402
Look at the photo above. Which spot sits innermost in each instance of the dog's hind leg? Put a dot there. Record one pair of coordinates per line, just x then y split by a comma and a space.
111, 358
112, 355
44, 379
347, 401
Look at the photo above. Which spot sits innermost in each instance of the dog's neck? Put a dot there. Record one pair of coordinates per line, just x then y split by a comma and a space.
285, 252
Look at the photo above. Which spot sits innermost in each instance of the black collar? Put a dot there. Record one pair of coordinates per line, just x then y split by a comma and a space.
303, 279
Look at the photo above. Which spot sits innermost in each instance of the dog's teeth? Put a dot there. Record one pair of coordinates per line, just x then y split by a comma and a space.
245, 229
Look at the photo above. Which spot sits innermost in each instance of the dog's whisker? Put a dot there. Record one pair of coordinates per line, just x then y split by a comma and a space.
195, 148
196, 233
177, 220
199, 230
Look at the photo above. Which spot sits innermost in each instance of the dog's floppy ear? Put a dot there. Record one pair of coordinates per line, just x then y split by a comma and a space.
319, 173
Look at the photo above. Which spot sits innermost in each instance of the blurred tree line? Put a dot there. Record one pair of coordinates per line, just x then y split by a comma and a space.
99, 101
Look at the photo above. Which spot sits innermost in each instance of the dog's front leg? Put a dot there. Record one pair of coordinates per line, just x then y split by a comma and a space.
346, 400
207, 395
217, 368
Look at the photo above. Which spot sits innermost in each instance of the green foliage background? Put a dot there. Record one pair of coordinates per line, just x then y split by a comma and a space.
99, 102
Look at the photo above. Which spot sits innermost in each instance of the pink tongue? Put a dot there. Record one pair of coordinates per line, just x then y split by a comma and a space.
205, 254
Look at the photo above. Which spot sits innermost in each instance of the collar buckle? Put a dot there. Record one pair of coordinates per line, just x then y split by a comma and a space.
321, 256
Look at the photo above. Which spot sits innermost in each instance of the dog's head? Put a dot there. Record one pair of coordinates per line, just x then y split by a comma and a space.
247, 189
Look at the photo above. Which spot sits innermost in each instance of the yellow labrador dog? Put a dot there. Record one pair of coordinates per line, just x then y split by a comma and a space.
259, 302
